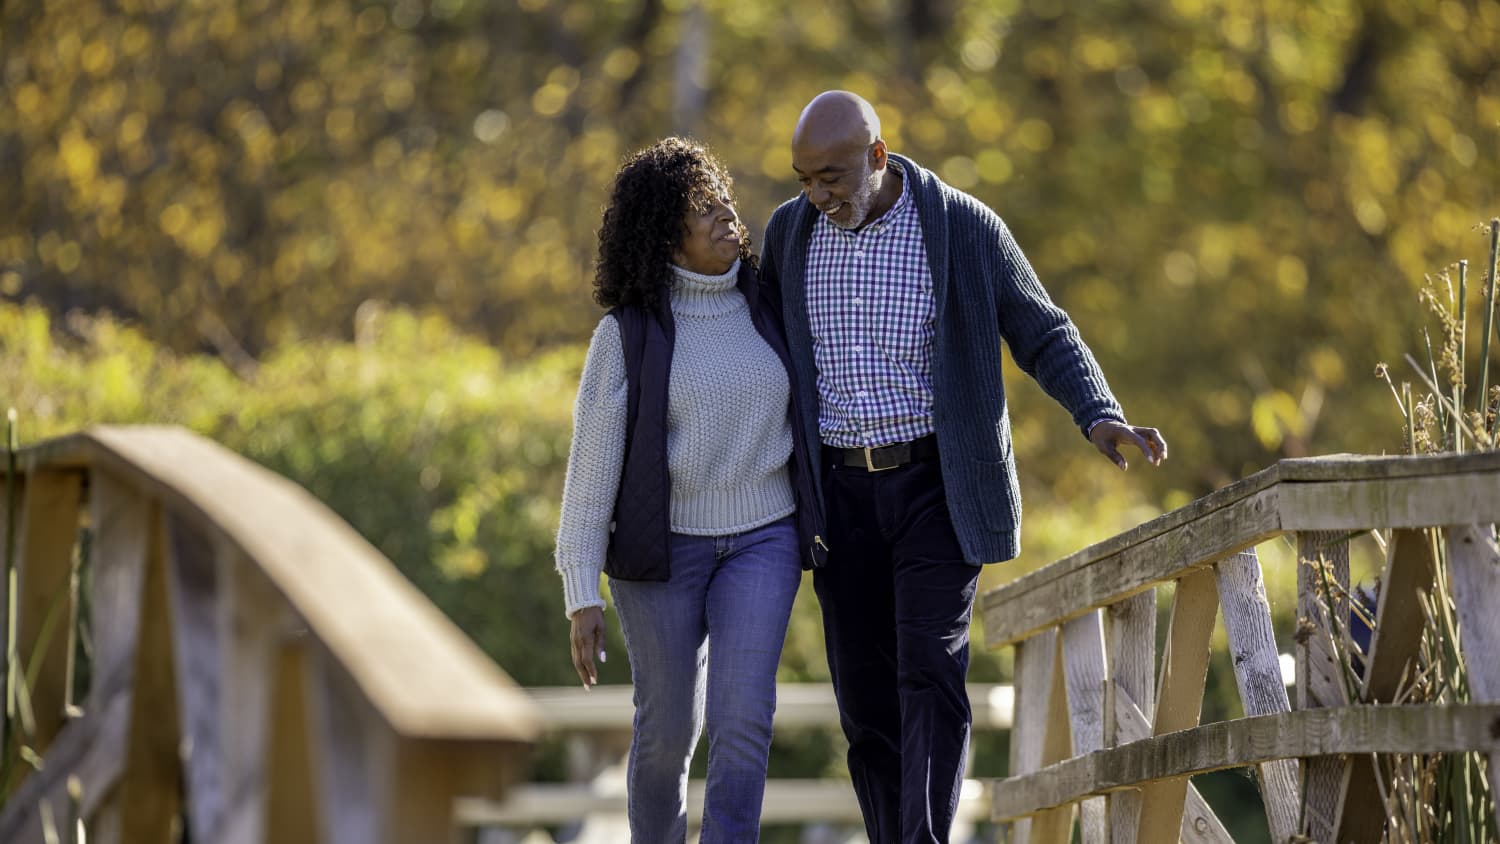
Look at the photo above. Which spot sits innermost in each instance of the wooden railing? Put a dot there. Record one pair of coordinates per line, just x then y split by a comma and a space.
1097, 727
258, 672
596, 729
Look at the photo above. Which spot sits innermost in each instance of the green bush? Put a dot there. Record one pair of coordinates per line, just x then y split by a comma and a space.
446, 456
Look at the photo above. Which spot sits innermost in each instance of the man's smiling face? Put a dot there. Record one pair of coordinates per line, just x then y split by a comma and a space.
840, 179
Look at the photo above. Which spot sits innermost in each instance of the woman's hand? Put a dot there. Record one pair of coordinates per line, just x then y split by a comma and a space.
588, 639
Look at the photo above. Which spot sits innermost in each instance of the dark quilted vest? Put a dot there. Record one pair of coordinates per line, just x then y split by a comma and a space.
640, 546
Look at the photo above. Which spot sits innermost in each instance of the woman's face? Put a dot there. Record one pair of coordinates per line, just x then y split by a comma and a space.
710, 236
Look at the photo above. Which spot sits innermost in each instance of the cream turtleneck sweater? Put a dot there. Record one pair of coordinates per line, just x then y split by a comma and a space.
729, 438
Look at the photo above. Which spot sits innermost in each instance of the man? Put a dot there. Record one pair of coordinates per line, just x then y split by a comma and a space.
897, 291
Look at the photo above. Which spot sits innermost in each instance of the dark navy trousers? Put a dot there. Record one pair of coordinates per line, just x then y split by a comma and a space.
897, 597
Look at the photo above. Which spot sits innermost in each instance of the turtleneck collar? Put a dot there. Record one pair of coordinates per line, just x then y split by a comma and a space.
705, 295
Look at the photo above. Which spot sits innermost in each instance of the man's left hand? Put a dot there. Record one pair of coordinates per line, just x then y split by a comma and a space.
1108, 436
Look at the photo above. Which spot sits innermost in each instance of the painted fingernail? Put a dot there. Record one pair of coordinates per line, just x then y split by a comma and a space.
602, 657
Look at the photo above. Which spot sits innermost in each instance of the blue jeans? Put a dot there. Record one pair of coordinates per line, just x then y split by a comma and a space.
732, 594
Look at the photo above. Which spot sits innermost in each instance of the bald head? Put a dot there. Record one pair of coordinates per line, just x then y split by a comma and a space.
837, 118
840, 159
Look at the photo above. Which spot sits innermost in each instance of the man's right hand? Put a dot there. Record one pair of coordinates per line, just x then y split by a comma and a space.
588, 640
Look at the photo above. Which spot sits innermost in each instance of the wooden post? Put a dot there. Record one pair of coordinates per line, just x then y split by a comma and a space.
1132, 663
1036, 737
194, 588
355, 755
1083, 664
48, 531
123, 535
150, 794
1320, 671
1180, 695
1410, 570
254, 622
1474, 573
292, 810
1257, 673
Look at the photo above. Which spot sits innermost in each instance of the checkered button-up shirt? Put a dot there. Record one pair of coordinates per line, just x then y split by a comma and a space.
871, 310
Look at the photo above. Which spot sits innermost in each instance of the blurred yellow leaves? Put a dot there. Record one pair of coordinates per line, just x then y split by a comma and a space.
1275, 415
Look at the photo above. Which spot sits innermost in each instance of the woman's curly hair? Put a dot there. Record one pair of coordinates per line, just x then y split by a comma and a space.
652, 192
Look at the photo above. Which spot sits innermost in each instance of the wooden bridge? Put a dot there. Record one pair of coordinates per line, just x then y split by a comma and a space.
258, 672
1097, 727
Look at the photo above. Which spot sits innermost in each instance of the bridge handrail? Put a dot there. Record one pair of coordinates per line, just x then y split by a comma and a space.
235, 614
1094, 717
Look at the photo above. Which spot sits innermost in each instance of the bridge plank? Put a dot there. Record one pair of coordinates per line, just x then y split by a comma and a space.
150, 794
123, 522
1132, 654
1474, 570
1179, 699
786, 801
1403, 502
1257, 673
1251, 741
1321, 681
1410, 571
1200, 825
1038, 681
1084, 669
48, 531
197, 640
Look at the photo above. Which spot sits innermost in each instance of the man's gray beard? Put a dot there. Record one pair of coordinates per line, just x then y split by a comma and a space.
863, 199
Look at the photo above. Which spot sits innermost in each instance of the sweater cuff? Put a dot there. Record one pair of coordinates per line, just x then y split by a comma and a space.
1088, 430
580, 589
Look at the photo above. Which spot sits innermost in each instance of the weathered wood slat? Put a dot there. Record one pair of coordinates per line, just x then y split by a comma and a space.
1066, 567
1351, 467
44, 594
1410, 572
253, 623
1083, 665
611, 707
1056, 826
91, 748
1179, 698
1391, 502
150, 794
1257, 674
1132, 658
1036, 665
1251, 741
124, 543
1322, 564
1199, 823
787, 801
1474, 573
292, 809
1011, 613
195, 586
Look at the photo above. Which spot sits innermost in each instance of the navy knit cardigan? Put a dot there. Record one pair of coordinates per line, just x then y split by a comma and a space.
985, 292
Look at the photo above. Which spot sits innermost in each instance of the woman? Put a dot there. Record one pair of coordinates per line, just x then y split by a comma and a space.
688, 485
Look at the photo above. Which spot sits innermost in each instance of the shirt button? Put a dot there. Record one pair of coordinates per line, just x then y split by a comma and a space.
857, 349
858, 300
862, 393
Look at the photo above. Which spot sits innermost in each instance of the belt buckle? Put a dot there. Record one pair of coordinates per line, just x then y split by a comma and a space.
870, 464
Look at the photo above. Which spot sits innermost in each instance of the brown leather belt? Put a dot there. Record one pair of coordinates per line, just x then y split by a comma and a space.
884, 457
